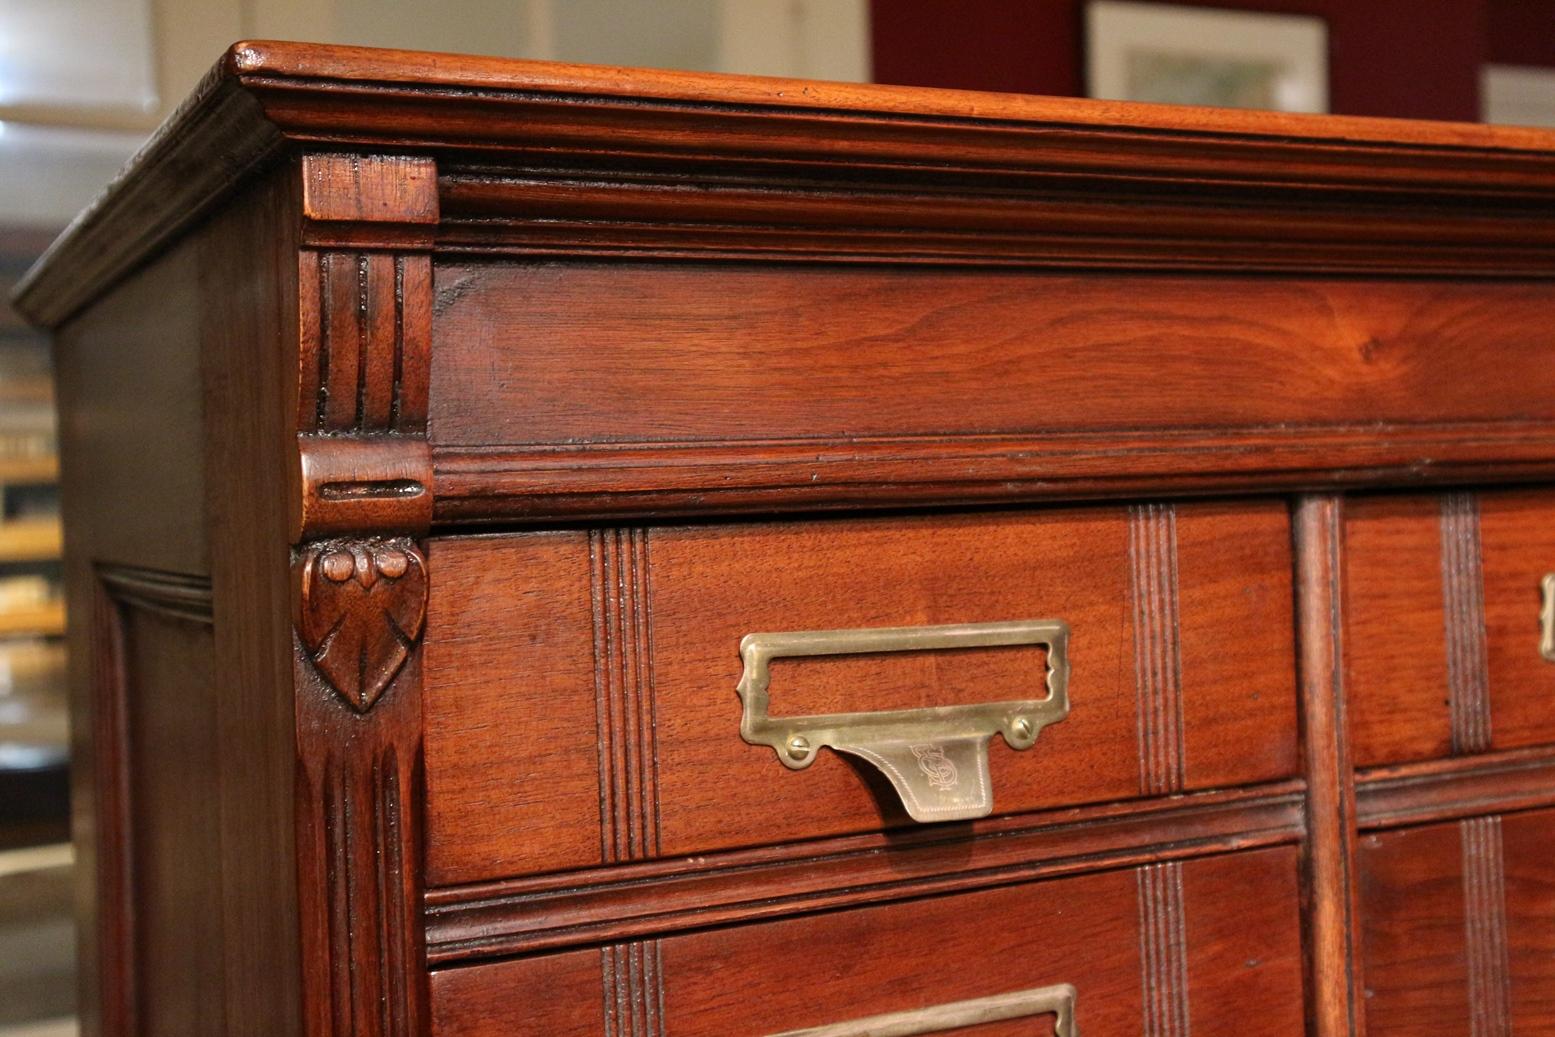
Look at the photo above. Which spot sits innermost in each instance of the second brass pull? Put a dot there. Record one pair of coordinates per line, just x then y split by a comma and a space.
1057, 1001
1547, 618
936, 758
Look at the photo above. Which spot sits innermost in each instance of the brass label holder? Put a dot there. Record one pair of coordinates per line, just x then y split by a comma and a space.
936, 758
1547, 618
1056, 1000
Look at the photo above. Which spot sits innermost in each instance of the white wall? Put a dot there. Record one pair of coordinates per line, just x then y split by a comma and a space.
814, 39
55, 154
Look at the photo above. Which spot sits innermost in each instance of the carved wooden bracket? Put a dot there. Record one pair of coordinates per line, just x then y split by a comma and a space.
361, 493
361, 604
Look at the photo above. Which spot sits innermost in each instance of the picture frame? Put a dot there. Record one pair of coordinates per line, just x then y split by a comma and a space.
1517, 95
1171, 53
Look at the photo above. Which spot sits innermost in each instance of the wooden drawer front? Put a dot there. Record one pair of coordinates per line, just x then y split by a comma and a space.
1458, 927
763, 354
1442, 632
1210, 945
581, 706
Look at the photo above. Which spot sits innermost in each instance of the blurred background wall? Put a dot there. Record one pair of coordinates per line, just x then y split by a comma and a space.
1419, 59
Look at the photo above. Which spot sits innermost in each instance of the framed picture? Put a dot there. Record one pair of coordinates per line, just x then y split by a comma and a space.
1194, 55
1517, 95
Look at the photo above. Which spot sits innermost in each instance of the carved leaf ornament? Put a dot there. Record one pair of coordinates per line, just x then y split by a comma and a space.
363, 606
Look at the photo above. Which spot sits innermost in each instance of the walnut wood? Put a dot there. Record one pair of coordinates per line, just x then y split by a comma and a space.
1441, 789
648, 328
359, 841
1444, 594
247, 343
742, 215
679, 599
151, 703
1517, 548
1333, 966
361, 605
173, 786
1238, 955
487, 485
670, 351
175, 595
651, 898
359, 414
1458, 926
345, 483
342, 192
823, 386
1328, 174
228, 792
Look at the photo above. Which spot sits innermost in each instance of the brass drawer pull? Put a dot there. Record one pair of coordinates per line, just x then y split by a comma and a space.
1056, 1000
1547, 619
935, 758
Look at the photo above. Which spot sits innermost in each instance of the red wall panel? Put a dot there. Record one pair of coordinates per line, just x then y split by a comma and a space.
1413, 58
1522, 32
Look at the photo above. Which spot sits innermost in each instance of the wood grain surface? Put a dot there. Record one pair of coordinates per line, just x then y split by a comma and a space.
1356, 189
640, 900
1227, 955
1442, 624
669, 337
502, 768
1458, 926
557, 353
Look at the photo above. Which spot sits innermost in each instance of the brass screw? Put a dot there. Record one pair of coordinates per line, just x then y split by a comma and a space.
798, 747
1022, 727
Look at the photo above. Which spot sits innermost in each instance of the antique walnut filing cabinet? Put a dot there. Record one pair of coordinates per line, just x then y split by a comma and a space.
577, 551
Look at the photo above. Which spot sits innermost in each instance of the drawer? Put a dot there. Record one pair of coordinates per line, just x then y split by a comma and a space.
1175, 947
581, 703
1458, 927
838, 355
1442, 628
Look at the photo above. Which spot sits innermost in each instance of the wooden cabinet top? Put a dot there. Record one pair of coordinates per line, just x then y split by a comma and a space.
638, 163
537, 292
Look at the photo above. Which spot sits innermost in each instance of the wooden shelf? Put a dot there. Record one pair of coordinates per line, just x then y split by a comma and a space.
29, 540
29, 469
44, 621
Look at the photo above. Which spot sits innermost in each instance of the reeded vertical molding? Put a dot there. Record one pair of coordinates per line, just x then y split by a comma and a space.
633, 989
1152, 543
1463, 606
1333, 961
361, 501
1163, 950
623, 689
1484, 917
362, 908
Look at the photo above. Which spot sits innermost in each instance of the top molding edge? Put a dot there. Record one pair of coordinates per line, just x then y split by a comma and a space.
264, 98
366, 65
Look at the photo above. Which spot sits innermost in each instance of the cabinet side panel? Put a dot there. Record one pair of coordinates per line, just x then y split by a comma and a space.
128, 387
174, 824
248, 332
174, 487
130, 422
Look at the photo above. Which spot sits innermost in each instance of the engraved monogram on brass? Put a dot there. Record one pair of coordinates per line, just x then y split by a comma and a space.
362, 604
935, 766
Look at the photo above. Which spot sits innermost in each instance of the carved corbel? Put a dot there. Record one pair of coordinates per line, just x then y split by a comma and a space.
361, 606
361, 495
